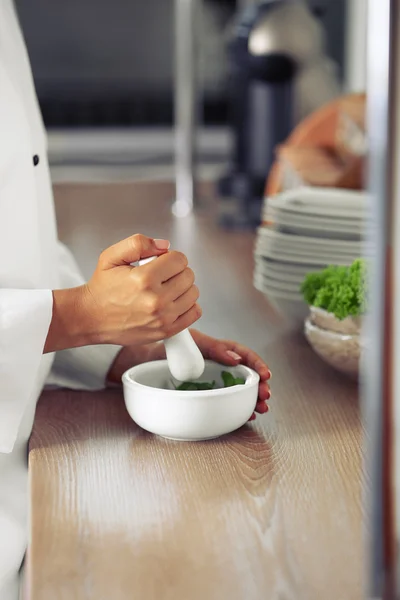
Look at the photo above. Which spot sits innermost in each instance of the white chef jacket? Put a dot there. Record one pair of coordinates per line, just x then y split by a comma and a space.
32, 263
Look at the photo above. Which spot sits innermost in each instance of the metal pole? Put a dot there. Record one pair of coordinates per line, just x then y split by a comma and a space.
185, 105
380, 377
394, 215
356, 45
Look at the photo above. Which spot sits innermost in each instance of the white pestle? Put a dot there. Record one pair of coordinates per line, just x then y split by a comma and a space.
185, 361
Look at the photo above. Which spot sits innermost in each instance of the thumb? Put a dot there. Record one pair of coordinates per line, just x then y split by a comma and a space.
131, 250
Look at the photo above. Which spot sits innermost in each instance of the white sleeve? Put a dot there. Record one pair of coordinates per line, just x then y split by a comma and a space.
25, 317
79, 368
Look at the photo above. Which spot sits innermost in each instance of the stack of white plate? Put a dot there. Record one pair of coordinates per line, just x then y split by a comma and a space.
305, 230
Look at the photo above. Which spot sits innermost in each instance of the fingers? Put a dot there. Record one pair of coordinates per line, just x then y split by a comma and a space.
251, 359
264, 391
262, 408
175, 287
219, 352
131, 250
166, 267
185, 320
213, 349
186, 301
231, 353
264, 394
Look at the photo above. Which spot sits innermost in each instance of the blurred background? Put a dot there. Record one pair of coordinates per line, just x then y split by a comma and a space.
259, 104
242, 101
104, 72
110, 63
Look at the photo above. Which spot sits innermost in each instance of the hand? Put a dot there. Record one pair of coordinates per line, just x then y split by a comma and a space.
139, 305
127, 305
224, 352
233, 353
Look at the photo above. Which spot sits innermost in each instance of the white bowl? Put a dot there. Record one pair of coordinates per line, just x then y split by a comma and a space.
325, 320
156, 406
337, 349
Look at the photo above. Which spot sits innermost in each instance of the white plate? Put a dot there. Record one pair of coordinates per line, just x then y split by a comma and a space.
317, 233
288, 305
305, 218
279, 277
279, 286
289, 284
283, 268
298, 249
300, 241
269, 248
322, 201
308, 258
293, 278
313, 227
271, 288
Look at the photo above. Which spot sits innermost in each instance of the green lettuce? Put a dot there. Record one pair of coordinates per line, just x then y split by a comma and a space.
339, 290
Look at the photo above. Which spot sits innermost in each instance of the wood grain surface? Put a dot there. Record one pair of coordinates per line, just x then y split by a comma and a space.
271, 512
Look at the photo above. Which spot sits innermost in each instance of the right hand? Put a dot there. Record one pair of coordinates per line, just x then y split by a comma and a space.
138, 305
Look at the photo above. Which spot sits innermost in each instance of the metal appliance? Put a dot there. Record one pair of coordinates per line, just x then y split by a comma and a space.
279, 72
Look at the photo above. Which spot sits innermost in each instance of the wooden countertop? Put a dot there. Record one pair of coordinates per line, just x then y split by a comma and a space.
272, 511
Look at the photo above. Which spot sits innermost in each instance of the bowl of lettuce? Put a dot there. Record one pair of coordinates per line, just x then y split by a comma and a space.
337, 300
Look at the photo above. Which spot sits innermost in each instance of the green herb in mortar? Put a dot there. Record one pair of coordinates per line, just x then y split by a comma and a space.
228, 379
339, 290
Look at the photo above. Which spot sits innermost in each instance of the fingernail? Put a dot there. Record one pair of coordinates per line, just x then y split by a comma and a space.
162, 244
233, 355
269, 375
268, 395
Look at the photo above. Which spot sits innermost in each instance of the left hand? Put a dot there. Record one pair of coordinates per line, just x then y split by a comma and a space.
221, 351
232, 353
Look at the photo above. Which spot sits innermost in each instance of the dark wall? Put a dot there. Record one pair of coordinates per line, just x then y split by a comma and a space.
332, 14
111, 61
